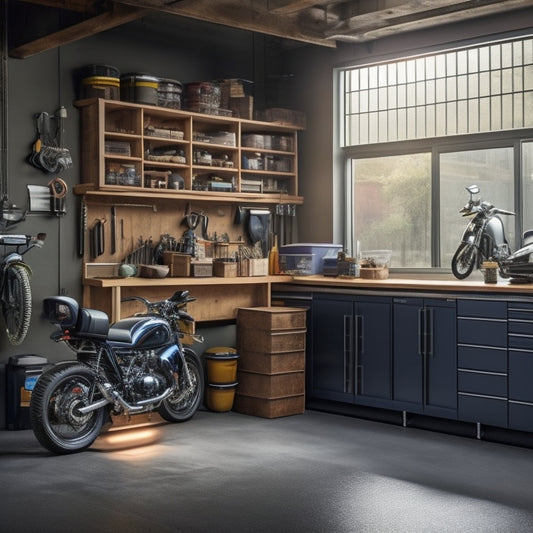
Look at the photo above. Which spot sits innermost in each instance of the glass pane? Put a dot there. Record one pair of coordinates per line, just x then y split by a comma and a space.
492, 171
473, 116
528, 78
391, 207
518, 111
484, 63
527, 185
462, 116
473, 85
462, 62
507, 112
528, 109
507, 81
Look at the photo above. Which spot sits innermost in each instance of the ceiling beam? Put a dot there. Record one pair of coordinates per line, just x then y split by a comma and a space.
80, 6
118, 15
250, 15
417, 14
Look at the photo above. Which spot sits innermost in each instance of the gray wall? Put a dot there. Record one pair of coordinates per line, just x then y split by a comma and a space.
188, 51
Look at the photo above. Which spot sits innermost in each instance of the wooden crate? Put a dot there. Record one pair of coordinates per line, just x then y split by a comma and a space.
179, 264
270, 341
225, 269
272, 318
201, 270
268, 363
269, 408
270, 386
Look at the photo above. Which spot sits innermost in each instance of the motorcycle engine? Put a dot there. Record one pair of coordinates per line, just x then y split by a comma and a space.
144, 376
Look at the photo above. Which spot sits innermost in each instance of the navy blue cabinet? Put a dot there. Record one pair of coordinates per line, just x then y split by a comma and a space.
520, 320
425, 356
351, 356
482, 361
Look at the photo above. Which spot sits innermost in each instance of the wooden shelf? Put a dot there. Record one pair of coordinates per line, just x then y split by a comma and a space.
188, 132
122, 193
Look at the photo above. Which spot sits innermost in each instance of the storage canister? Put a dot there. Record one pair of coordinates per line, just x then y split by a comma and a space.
98, 81
221, 364
169, 93
139, 88
220, 396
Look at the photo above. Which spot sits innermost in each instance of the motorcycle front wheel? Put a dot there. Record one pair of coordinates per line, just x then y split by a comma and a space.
16, 303
54, 409
181, 405
464, 260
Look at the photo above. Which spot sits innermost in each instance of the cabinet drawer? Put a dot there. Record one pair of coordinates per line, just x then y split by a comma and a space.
517, 325
491, 411
521, 376
482, 308
517, 340
483, 332
482, 358
521, 416
482, 383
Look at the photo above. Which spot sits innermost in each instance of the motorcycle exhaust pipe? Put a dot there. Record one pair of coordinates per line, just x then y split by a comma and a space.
113, 396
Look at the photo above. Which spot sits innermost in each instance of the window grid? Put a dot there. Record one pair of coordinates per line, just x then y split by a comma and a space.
472, 90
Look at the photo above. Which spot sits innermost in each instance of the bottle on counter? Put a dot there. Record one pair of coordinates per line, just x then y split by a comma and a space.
273, 258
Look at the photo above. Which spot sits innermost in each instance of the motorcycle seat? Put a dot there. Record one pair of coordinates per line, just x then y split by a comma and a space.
92, 323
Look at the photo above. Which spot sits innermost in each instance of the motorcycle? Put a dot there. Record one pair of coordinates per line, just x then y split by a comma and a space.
15, 288
137, 365
484, 239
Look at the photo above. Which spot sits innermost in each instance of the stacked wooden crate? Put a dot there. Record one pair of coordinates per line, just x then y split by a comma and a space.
271, 370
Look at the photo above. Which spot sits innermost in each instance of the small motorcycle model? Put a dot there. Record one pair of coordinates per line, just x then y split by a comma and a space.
484, 240
136, 365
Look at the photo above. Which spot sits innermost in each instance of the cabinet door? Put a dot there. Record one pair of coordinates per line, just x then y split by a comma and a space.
333, 355
441, 359
407, 352
373, 348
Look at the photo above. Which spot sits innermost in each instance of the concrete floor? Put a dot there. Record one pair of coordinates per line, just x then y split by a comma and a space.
223, 472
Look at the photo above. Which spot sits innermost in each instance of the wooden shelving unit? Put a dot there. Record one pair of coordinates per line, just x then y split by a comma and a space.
217, 158
245, 162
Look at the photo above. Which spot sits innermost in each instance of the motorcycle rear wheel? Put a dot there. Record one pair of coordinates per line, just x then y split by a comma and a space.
464, 260
176, 408
16, 303
54, 409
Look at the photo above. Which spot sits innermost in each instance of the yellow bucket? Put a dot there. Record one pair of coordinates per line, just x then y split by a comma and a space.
221, 365
220, 396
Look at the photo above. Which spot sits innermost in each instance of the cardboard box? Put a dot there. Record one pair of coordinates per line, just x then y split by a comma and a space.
272, 408
270, 386
269, 363
271, 318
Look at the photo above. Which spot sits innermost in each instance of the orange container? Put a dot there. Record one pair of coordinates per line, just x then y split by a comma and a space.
221, 365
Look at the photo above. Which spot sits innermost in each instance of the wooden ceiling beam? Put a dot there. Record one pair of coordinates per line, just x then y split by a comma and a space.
416, 14
250, 15
79, 6
118, 15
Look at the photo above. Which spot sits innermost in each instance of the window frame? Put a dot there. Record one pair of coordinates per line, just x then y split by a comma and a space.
342, 155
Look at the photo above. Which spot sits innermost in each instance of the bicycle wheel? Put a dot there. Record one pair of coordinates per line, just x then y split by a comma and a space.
16, 303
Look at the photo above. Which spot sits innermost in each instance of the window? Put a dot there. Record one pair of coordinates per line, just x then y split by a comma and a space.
473, 90
416, 132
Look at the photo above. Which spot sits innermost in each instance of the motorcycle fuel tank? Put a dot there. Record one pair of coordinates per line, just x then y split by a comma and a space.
140, 333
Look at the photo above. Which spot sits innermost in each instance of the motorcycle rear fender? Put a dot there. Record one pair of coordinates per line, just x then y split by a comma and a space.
16, 259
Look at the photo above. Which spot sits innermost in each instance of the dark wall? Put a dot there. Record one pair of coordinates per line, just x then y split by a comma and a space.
298, 76
162, 46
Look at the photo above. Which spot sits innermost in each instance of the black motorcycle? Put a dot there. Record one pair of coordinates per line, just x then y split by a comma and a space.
137, 365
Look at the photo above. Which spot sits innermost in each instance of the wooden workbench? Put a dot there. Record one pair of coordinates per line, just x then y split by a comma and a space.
217, 298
